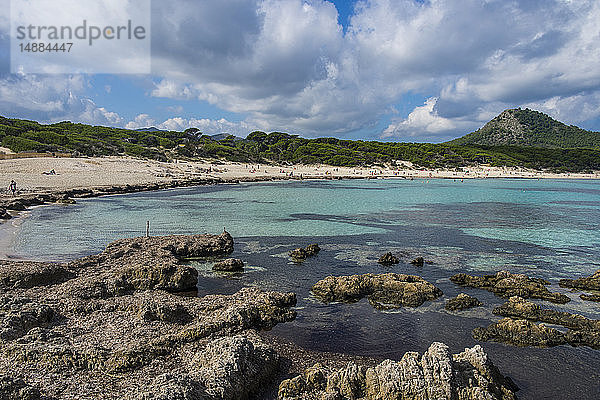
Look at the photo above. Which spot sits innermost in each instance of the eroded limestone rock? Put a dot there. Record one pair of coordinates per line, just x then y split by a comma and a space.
381, 289
434, 375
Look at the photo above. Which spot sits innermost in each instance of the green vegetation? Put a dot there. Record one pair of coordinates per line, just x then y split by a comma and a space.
282, 148
526, 127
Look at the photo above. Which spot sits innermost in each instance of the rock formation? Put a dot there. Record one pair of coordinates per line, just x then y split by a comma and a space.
520, 332
388, 259
590, 297
462, 302
302, 253
435, 375
506, 284
107, 325
382, 290
419, 261
519, 328
591, 282
229, 265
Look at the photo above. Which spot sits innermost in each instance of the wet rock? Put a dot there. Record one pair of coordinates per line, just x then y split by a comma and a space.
16, 389
65, 199
434, 375
462, 302
506, 284
517, 307
302, 253
381, 289
4, 214
590, 297
229, 265
582, 331
30, 274
520, 332
591, 282
388, 259
419, 261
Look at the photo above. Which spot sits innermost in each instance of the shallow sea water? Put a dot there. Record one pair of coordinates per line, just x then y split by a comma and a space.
548, 229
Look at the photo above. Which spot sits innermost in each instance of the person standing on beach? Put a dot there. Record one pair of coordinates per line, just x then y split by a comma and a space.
13, 187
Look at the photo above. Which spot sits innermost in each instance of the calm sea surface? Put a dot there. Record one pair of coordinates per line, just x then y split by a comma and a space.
548, 229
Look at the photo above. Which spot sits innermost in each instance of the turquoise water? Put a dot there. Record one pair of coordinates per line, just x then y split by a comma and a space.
546, 228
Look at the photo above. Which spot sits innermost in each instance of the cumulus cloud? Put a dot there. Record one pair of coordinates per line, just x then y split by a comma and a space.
424, 121
51, 98
288, 64
205, 125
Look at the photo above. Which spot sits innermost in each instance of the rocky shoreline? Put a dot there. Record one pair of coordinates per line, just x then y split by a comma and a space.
127, 324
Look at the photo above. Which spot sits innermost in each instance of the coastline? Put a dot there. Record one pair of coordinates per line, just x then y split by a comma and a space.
78, 178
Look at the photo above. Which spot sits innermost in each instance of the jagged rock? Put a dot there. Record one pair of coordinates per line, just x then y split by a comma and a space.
590, 297
231, 368
29, 274
229, 265
380, 289
462, 302
506, 284
591, 282
388, 259
419, 261
435, 375
517, 307
520, 332
300, 254
16, 389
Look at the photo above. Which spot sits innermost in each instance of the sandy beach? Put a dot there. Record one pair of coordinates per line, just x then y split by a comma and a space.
32, 174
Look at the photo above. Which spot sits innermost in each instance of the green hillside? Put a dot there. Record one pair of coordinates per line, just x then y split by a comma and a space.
526, 127
280, 148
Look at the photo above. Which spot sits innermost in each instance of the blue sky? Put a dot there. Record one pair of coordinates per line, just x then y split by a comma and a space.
374, 69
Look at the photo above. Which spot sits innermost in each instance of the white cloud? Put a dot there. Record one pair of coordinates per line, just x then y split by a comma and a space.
424, 121
51, 98
205, 125
288, 65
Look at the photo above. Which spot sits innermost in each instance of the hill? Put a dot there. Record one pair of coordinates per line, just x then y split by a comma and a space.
527, 127
281, 148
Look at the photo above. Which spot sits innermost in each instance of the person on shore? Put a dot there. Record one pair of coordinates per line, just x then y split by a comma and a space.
13, 187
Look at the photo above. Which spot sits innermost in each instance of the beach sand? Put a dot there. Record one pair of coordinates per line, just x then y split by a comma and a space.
73, 173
